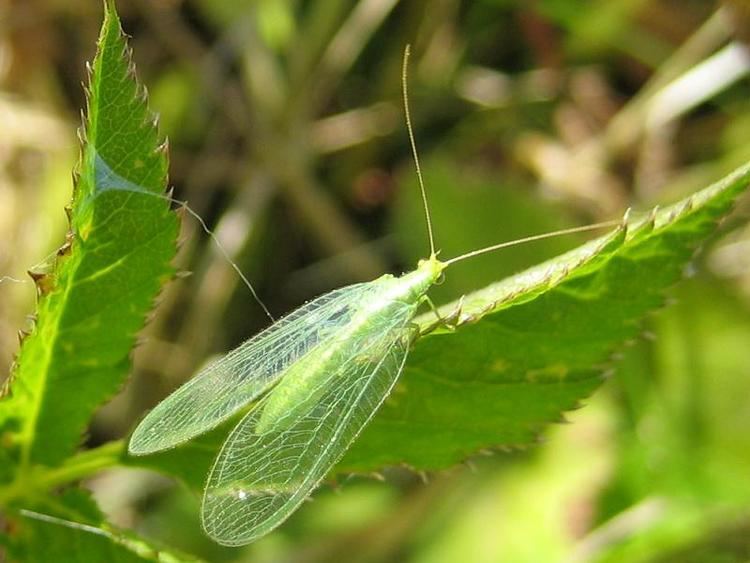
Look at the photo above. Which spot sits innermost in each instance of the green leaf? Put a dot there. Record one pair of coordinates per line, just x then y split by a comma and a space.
527, 349
104, 281
71, 528
536, 344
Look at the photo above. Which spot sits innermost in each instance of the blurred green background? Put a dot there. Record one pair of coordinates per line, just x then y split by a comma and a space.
287, 136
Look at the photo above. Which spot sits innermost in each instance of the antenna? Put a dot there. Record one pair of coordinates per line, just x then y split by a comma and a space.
405, 92
532, 239
225, 254
66, 523
108, 179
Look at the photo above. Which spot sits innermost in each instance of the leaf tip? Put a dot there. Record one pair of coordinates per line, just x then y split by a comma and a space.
110, 9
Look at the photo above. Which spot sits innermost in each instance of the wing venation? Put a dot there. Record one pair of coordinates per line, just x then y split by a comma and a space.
230, 383
258, 480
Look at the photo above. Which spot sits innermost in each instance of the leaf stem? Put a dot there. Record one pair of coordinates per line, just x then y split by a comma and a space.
75, 468
84, 464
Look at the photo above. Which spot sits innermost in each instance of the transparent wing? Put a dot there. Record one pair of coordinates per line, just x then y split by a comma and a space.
239, 377
258, 480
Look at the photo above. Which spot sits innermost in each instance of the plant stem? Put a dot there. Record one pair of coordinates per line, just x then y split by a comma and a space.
76, 468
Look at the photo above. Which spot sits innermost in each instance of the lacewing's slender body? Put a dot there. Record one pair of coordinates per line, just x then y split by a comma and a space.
317, 376
322, 372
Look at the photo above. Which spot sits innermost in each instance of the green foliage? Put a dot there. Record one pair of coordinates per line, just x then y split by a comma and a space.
534, 345
526, 349
71, 526
103, 283
105, 278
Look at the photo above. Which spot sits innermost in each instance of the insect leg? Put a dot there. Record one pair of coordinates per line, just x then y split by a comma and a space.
450, 322
426, 299
414, 332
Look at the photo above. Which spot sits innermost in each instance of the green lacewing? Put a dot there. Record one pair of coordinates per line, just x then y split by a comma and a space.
316, 376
